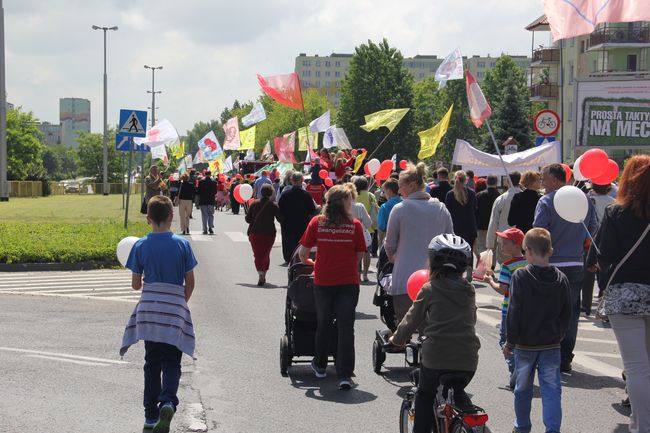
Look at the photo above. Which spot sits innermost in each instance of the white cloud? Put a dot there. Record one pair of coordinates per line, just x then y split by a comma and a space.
211, 50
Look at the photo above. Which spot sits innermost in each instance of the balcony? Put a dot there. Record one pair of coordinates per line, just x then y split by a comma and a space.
545, 56
544, 92
618, 37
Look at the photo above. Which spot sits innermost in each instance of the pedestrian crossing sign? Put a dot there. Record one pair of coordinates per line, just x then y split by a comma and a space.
132, 123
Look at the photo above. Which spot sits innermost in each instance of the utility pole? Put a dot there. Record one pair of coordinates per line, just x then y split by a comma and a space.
4, 190
105, 189
153, 118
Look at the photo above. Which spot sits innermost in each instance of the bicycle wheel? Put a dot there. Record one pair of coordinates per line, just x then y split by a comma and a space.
406, 417
458, 426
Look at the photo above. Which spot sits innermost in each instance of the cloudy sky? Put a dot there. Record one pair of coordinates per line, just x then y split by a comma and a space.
212, 49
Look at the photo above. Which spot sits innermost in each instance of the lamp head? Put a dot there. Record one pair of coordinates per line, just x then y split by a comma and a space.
96, 27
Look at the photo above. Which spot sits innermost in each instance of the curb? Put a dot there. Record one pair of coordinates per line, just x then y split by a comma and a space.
44, 267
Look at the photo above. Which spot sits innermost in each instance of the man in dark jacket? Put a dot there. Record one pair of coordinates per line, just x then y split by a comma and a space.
440, 191
484, 201
206, 190
297, 207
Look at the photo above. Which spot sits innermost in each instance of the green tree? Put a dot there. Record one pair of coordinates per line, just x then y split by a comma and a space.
60, 162
377, 81
90, 153
24, 147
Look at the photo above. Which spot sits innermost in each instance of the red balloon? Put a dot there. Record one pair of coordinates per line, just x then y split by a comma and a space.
475, 179
385, 169
568, 172
323, 174
611, 173
250, 201
328, 182
403, 164
415, 282
353, 152
594, 163
366, 170
235, 193
252, 177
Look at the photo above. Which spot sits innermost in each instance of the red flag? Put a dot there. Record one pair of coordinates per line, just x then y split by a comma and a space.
283, 88
284, 148
479, 109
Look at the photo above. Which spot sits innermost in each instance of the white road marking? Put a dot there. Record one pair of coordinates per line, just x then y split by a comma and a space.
119, 299
62, 355
46, 289
194, 418
599, 367
596, 340
598, 354
202, 238
237, 236
72, 361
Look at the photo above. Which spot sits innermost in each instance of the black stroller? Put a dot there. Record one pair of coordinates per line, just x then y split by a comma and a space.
384, 301
300, 318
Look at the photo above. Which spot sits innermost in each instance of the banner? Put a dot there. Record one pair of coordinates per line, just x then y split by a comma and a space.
387, 118
256, 115
306, 140
231, 129
284, 147
198, 159
320, 124
451, 68
431, 138
227, 165
247, 139
250, 155
209, 147
479, 109
484, 164
336, 137
162, 134
358, 163
267, 150
178, 150
159, 152
283, 88
216, 166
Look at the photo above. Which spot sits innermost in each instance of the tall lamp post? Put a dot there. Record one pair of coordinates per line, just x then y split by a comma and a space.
153, 114
4, 190
105, 189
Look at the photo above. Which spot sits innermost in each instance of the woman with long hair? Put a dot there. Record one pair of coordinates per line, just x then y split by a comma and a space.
340, 245
411, 226
186, 192
624, 244
461, 202
522, 207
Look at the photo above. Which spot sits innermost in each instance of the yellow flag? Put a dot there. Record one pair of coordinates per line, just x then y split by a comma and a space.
387, 118
178, 151
431, 138
247, 139
359, 161
302, 139
216, 166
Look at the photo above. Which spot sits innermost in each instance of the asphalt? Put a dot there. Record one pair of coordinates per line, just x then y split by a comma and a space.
235, 384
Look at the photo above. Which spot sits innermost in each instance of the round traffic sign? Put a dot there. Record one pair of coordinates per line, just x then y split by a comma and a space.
546, 123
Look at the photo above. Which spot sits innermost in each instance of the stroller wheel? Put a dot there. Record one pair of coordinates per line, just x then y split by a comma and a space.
285, 356
378, 356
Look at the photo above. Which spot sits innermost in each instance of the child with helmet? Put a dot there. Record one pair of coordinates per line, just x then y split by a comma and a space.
445, 312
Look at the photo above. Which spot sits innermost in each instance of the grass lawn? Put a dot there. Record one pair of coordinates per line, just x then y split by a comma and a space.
68, 228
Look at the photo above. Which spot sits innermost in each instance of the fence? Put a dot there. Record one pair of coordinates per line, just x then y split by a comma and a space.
35, 189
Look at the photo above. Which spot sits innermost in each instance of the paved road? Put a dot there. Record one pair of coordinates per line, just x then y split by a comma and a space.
60, 367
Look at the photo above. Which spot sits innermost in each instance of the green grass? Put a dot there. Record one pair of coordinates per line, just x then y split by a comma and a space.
66, 229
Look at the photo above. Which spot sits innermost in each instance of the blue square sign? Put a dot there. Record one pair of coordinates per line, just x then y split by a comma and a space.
133, 123
123, 143
543, 140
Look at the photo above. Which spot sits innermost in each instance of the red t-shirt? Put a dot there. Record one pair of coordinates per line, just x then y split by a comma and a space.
336, 254
316, 192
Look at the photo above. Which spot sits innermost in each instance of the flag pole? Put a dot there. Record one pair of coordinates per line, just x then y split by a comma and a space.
380, 143
503, 164
304, 116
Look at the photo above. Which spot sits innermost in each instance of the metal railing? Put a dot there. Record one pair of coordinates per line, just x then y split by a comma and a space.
35, 189
544, 91
620, 36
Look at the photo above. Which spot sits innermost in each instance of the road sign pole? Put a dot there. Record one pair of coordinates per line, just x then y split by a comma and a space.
128, 185
122, 182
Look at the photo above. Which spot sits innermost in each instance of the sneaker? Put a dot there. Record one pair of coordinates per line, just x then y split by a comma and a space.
149, 423
166, 415
345, 384
565, 367
318, 372
211, 231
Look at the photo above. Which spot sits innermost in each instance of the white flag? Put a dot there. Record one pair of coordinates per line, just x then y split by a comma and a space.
250, 155
162, 133
231, 129
321, 123
336, 137
256, 115
159, 152
198, 158
227, 165
188, 161
209, 147
451, 68
393, 159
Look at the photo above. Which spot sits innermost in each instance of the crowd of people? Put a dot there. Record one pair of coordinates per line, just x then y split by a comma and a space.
546, 265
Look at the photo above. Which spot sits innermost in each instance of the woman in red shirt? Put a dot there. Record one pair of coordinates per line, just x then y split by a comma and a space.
340, 245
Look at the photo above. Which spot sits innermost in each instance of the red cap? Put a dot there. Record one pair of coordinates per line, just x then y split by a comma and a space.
515, 235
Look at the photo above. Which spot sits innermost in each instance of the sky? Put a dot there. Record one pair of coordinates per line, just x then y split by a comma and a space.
211, 50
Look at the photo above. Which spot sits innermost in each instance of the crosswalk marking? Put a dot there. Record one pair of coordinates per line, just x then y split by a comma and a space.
237, 236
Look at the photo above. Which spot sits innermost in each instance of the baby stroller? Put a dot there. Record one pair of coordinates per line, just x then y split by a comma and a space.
380, 346
300, 318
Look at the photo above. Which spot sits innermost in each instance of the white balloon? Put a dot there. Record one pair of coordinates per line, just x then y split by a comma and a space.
571, 204
124, 249
577, 174
373, 166
246, 191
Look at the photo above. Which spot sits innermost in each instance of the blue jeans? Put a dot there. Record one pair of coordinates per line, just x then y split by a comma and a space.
165, 359
510, 362
576, 276
547, 363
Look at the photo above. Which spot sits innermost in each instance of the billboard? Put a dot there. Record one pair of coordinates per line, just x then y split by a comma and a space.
613, 113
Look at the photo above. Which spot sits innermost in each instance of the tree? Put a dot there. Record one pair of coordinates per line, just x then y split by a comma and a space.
377, 81
60, 162
90, 153
24, 147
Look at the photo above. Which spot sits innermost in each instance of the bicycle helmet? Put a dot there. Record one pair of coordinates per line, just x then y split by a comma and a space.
449, 252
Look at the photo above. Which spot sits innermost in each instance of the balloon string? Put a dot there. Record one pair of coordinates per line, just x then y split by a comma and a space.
593, 241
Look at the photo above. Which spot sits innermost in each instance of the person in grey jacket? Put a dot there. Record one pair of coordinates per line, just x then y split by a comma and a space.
411, 225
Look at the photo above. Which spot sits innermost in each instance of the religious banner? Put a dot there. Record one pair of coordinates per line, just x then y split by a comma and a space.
256, 115
231, 129
209, 147
284, 147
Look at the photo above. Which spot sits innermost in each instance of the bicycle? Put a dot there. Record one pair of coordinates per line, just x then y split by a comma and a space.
546, 122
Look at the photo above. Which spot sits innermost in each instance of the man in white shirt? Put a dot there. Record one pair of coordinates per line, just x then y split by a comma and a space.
499, 217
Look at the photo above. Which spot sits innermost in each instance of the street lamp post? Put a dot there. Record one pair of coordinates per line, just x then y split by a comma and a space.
153, 116
4, 190
105, 189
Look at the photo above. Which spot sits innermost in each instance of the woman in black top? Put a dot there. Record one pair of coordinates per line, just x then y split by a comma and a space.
522, 207
627, 297
186, 191
461, 203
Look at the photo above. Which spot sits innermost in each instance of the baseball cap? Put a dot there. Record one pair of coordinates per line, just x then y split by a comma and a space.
514, 234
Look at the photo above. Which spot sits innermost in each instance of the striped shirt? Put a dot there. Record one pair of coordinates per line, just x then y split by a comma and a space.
507, 269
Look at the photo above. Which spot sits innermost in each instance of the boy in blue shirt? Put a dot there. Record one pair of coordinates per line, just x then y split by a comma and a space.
161, 318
